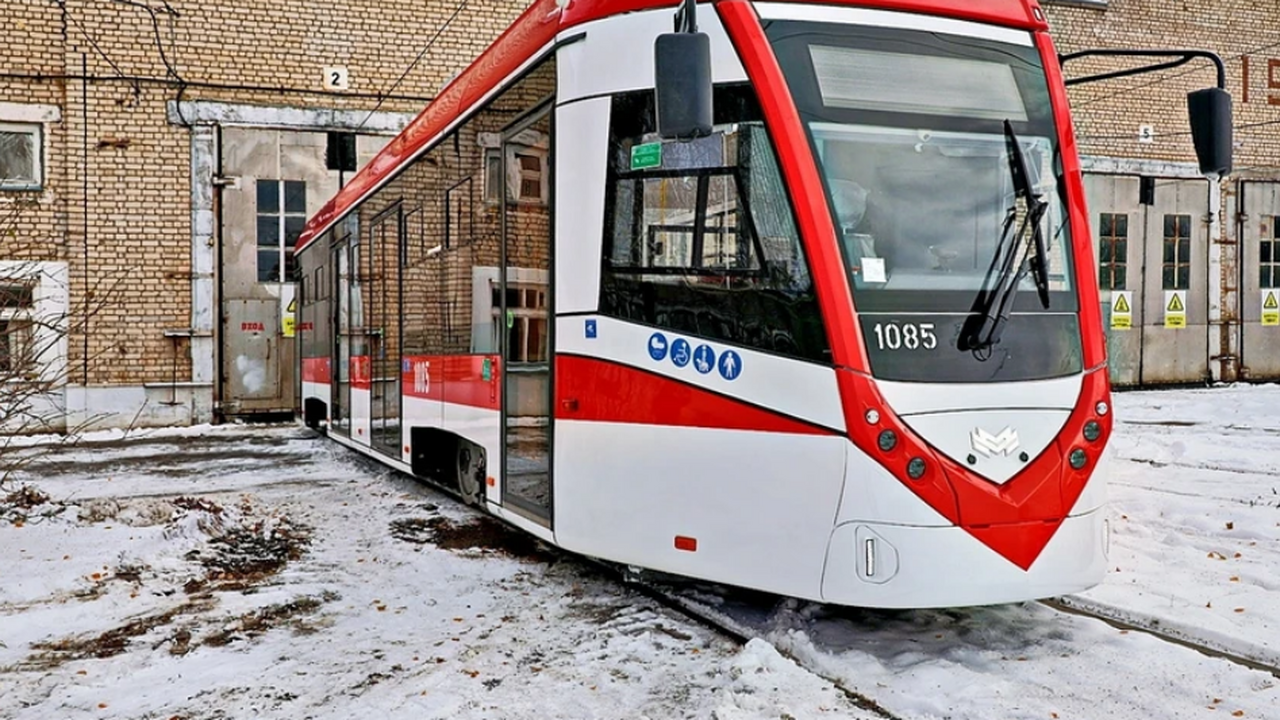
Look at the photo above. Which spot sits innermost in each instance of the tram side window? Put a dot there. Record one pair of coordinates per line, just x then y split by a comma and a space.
700, 237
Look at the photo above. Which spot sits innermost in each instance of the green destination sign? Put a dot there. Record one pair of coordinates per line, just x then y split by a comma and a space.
646, 156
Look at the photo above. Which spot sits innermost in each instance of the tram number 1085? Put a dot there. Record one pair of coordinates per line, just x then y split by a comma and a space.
908, 336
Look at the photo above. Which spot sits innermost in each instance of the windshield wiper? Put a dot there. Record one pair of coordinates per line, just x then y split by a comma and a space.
1012, 259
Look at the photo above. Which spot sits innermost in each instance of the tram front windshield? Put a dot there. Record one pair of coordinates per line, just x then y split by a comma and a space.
912, 131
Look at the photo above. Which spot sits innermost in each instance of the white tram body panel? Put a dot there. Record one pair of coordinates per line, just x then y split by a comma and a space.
687, 453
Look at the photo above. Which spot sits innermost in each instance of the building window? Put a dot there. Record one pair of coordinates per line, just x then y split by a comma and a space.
282, 213
16, 355
1113, 249
526, 321
21, 147
527, 177
1176, 267
1269, 257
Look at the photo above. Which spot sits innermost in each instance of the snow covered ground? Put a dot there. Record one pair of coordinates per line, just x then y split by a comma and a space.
240, 572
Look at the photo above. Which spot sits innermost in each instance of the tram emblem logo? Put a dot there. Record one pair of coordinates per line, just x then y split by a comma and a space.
1002, 443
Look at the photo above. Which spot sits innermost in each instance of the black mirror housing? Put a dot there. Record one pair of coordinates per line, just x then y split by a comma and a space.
682, 80
1210, 113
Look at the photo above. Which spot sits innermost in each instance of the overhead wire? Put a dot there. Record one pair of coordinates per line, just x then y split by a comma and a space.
439, 31
1171, 76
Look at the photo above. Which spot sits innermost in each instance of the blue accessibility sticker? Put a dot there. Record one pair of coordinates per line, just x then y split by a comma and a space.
591, 329
681, 352
704, 359
730, 365
406, 366
657, 346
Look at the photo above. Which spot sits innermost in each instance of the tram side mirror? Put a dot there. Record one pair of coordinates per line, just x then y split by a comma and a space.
1210, 112
682, 77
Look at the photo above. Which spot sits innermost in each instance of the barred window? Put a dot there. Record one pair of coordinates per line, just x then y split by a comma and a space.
1113, 249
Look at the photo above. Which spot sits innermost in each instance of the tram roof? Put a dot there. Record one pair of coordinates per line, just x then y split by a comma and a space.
538, 26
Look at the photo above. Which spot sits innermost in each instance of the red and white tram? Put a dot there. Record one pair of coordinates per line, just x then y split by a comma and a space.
786, 351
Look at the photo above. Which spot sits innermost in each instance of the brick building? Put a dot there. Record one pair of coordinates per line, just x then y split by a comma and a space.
1160, 228
167, 152
161, 156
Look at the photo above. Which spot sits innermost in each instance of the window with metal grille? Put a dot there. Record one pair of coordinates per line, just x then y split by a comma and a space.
282, 213
1269, 257
21, 150
16, 355
1176, 265
1113, 249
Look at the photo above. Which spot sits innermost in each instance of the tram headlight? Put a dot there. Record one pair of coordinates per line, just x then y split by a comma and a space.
873, 416
1092, 430
915, 468
1078, 459
1101, 407
888, 440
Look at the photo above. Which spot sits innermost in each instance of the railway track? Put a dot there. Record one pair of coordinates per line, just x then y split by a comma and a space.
1259, 659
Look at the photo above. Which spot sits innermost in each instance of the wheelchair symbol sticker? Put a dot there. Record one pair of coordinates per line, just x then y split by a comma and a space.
680, 352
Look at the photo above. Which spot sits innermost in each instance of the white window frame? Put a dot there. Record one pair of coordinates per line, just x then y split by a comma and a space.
25, 117
46, 316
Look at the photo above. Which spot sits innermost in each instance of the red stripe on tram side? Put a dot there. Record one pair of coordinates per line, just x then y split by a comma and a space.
360, 372
316, 370
596, 390
471, 380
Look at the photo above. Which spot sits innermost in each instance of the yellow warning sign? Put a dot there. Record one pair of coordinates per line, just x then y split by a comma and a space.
1270, 308
1121, 310
1175, 309
288, 318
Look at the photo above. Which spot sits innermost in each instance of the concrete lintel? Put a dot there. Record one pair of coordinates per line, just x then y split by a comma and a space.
1134, 166
208, 112
29, 112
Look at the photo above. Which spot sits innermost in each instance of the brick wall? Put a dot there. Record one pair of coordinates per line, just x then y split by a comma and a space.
1108, 113
134, 256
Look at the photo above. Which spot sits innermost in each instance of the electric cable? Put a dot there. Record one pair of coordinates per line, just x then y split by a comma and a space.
440, 31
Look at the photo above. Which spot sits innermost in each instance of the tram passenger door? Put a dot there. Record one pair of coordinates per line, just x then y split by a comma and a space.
383, 313
354, 346
340, 387
523, 317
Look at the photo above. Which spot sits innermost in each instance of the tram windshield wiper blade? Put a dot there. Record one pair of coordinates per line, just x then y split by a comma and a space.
1012, 259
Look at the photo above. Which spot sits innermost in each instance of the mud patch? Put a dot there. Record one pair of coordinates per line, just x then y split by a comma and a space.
113, 642
480, 534
252, 553
253, 624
